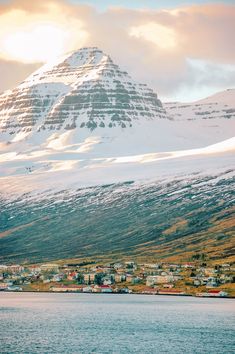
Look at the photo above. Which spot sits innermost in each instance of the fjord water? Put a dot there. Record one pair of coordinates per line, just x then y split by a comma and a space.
98, 323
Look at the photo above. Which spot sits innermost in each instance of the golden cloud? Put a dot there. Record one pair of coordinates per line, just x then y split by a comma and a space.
154, 46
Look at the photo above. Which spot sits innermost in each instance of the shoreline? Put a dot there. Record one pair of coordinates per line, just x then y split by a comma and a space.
99, 293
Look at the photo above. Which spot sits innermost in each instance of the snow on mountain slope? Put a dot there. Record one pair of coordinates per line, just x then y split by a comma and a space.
81, 120
82, 90
225, 98
213, 116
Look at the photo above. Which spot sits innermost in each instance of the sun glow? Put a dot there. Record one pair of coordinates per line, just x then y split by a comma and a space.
42, 43
38, 38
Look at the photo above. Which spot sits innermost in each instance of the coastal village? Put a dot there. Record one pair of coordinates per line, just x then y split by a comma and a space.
194, 278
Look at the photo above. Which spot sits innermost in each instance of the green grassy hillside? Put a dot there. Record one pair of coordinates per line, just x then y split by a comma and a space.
167, 219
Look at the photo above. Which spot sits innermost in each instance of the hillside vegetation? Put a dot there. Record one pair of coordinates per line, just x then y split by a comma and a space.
173, 220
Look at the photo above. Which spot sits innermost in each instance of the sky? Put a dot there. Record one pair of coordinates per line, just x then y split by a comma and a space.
184, 50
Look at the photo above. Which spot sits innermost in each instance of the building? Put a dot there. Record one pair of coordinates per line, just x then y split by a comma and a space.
67, 288
149, 291
89, 278
3, 286
213, 293
217, 293
159, 279
107, 281
209, 272
129, 278
72, 276
87, 289
119, 278
170, 292
49, 267
106, 289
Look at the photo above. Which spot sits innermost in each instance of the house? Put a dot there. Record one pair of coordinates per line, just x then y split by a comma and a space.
67, 288
3, 268
168, 286
107, 281
87, 289
209, 271
151, 280
149, 291
15, 268
196, 282
226, 266
212, 282
106, 289
117, 266
125, 291
151, 265
188, 265
213, 293
49, 267
3, 286
35, 269
96, 289
129, 263
89, 278
14, 288
226, 279
136, 280
171, 292
129, 278
9, 283
119, 278
72, 276
159, 279
174, 266
58, 277
217, 293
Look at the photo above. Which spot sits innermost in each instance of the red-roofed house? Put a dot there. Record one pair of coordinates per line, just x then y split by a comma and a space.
217, 293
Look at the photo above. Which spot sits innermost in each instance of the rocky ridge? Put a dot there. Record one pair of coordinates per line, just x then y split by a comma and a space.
84, 89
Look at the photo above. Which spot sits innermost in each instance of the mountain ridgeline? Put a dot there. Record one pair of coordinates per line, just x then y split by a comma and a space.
84, 89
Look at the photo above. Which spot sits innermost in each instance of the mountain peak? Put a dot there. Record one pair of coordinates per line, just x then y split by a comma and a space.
84, 56
64, 68
82, 89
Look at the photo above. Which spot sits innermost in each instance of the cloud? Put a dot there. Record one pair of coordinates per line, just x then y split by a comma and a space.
160, 47
162, 36
37, 34
12, 73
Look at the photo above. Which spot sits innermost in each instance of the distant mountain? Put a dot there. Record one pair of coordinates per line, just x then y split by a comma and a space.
90, 160
217, 107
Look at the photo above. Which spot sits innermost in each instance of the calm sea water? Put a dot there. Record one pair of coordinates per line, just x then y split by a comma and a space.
97, 323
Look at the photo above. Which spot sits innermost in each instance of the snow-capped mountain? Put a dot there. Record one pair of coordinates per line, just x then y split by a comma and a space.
216, 107
82, 120
84, 89
91, 161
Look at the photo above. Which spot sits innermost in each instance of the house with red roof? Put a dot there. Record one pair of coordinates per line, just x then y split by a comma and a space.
217, 293
102, 289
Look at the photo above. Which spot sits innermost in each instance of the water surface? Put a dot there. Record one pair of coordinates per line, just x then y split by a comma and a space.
98, 323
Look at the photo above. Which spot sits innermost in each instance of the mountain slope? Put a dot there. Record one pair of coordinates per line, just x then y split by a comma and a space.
175, 218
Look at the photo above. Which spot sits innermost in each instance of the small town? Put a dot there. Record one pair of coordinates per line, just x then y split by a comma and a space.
189, 279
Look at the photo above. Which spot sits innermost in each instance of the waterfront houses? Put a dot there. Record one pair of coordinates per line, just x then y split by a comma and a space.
122, 277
